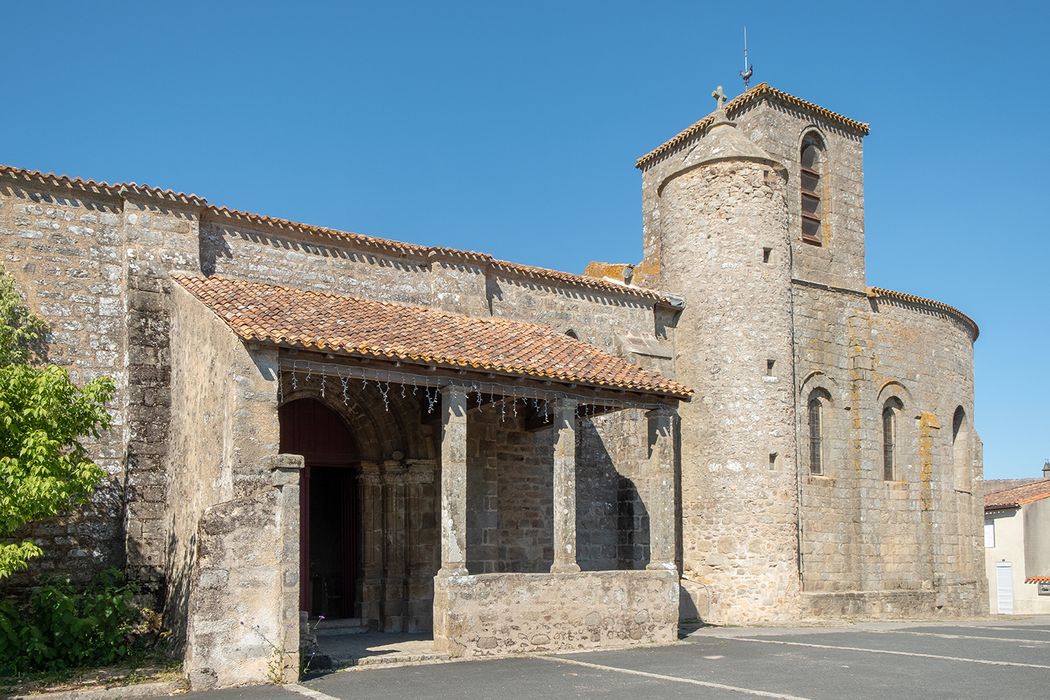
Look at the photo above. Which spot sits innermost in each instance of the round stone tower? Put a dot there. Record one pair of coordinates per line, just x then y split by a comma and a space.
725, 249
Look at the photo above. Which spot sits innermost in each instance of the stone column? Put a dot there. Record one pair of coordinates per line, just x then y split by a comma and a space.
395, 574
564, 487
453, 481
285, 473
372, 543
661, 489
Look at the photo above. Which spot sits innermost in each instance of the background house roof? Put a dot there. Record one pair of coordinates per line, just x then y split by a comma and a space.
1018, 496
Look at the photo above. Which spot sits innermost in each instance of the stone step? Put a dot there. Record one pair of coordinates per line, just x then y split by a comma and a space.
332, 628
370, 661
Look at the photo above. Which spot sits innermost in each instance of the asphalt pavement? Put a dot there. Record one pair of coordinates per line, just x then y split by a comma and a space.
980, 659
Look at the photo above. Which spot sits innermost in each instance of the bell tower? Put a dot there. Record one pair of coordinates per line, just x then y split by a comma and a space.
721, 241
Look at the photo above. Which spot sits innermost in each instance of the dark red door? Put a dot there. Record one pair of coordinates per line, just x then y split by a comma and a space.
329, 541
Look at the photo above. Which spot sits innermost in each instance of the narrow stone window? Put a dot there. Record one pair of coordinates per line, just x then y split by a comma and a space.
769, 367
889, 438
816, 432
811, 173
772, 461
766, 252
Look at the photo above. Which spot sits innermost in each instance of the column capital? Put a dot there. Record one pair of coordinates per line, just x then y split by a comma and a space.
663, 411
456, 393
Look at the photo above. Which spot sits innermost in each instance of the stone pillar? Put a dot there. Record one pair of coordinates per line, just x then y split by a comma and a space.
285, 473
372, 544
661, 489
564, 487
453, 481
395, 531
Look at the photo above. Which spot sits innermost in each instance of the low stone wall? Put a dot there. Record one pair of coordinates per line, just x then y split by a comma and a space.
243, 625
491, 614
871, 604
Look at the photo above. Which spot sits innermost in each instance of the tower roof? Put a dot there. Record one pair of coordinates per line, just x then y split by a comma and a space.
735, 105
725, 142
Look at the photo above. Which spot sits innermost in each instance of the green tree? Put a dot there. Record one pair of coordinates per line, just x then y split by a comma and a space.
44, 468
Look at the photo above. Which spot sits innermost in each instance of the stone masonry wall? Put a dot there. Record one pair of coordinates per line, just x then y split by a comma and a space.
65, 253
243, 617
97, 268
223, 431
860, 532
725, 249
515, 613
510, 493
778, 129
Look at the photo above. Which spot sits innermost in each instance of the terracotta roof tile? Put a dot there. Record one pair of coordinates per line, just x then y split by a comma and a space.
1018, 496
739, 102
115, 189
1037, 579
384, 330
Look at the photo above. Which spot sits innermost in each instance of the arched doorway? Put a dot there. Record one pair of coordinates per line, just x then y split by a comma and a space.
330, 507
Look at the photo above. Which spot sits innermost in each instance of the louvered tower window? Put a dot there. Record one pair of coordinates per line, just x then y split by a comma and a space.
812, 159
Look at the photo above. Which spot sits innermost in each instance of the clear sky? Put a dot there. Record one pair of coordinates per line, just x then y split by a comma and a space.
512, 128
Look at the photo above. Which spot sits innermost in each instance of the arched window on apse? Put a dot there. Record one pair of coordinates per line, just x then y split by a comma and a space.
891, 412
817, 408
961, 450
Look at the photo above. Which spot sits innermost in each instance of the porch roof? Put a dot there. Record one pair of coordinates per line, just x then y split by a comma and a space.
327, 322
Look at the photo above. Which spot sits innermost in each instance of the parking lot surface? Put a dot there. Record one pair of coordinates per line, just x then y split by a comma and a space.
980, 659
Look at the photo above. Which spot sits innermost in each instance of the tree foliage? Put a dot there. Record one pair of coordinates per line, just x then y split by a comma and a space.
44, 468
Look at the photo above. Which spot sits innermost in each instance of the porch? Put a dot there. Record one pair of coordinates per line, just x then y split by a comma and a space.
501, 485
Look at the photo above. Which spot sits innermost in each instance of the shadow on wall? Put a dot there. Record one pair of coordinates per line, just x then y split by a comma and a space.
612, 522
178, 569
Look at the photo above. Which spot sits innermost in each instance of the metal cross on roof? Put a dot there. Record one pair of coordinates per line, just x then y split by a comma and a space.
719, 95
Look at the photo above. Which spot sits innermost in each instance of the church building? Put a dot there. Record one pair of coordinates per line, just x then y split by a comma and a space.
737, 428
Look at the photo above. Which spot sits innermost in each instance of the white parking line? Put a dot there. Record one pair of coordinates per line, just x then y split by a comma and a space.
308, 692
894, 653
1011, 629
963, 636
674, 679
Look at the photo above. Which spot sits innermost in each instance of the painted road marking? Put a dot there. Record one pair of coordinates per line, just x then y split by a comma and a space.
1019, 628
673, 679
308, 692
893, 653
964, 636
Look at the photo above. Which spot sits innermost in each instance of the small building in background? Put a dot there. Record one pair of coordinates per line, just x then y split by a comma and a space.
1017, 547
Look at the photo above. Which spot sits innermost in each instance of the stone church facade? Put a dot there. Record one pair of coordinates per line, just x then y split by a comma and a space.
737, 428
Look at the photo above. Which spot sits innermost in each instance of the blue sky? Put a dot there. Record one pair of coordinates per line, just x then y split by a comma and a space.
512, 128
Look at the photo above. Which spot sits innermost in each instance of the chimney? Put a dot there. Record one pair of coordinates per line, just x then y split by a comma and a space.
1046, 469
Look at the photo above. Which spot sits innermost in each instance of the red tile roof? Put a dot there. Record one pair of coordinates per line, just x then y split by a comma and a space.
877, 292
365, 328
1017, 496
739, 102
390, 247
1037, 579
114, 189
